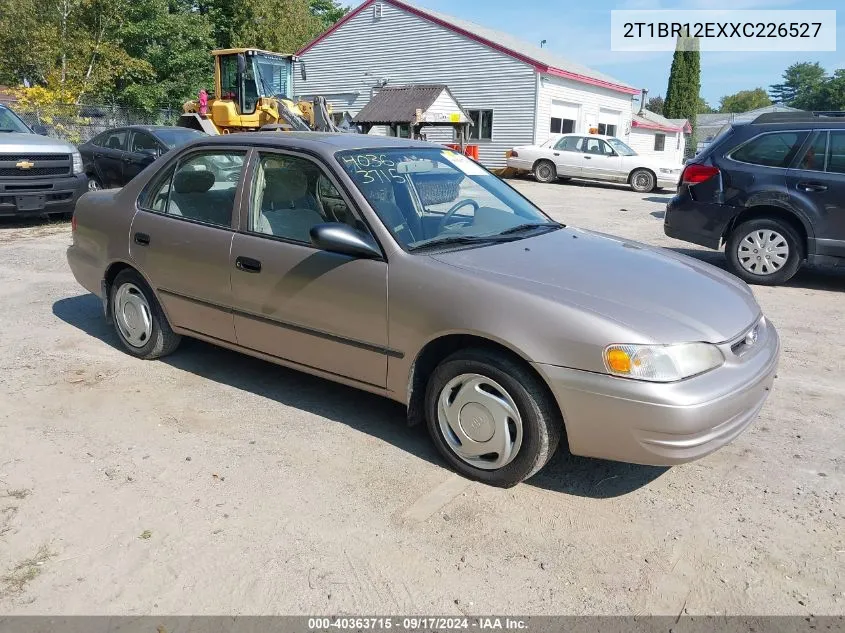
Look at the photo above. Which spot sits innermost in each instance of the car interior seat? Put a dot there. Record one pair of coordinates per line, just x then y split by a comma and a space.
287, 208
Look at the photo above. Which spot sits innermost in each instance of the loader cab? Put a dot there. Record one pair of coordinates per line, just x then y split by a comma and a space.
245, 75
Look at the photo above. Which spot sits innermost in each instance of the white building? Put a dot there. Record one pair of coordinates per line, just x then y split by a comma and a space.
516, 93
656, 135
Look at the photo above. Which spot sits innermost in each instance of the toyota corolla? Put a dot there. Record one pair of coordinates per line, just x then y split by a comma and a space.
408, 270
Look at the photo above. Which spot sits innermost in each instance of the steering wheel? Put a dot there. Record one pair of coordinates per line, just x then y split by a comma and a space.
451, 212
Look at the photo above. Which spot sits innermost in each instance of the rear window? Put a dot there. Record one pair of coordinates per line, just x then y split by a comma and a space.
776, 149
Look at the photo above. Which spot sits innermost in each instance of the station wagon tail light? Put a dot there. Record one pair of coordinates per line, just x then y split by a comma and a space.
694, 174
662, 363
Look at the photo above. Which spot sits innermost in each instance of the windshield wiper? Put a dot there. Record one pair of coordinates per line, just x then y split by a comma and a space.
519, 228
461, 239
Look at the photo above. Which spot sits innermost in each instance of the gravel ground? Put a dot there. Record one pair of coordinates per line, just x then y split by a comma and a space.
212, 483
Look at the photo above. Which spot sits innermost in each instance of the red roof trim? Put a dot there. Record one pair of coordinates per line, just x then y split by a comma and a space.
658, 127
557, 72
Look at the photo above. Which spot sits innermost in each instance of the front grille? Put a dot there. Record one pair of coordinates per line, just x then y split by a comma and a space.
33, 157
42, 165
33, 172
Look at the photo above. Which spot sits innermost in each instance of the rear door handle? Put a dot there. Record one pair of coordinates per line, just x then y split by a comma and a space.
811, 186
142, 239
248, 265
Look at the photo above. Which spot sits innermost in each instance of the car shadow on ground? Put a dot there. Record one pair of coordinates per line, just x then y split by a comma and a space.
807, 277
368, 413
32, 221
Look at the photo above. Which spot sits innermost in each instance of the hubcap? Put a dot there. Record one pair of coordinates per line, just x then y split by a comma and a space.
93, 185
642, 180
545, 172
479, 421
763, 252
132, 315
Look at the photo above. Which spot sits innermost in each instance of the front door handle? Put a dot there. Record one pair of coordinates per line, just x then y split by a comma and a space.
142, 239
557, 153
588, 157
811, 186
248, 265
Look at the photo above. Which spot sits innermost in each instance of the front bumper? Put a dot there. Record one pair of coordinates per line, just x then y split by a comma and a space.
668, 181
670, 423
35, 196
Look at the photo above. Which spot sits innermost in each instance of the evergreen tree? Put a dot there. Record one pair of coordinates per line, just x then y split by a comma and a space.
682, 99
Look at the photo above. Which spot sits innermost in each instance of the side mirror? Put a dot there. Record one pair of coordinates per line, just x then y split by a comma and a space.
336, 237
241, 64
39, 129
302, 72
149, 154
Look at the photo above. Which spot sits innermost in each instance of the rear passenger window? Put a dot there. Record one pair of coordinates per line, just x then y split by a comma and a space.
813, 158
771, 150
836, 153
203, 188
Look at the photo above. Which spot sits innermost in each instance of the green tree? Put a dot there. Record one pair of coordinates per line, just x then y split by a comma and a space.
800, 79
744, 100
327, 11
682, 92
829, 94
655, 104
703, 107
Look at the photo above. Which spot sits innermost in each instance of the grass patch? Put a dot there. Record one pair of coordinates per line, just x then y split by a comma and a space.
25, 572
19, 494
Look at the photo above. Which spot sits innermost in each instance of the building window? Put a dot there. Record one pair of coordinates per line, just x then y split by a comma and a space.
608, 129
659, 142
482, 125
561, 126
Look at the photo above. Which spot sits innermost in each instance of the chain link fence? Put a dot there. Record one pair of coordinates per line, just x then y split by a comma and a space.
80, 123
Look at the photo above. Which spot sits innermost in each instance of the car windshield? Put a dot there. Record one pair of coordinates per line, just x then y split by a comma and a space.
620, 147
11, 122
429, 197
177, 136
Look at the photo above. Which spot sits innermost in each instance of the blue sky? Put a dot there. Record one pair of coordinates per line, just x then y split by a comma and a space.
580, 31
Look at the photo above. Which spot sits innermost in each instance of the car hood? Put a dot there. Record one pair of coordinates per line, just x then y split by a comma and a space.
19, 143
662, 296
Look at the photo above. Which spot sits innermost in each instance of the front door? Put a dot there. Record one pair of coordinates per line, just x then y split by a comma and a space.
322, 310
599, 160
181, 240
143, 150
108, 158
817, 184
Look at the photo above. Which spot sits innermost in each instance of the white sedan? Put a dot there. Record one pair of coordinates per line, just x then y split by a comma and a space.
595, 157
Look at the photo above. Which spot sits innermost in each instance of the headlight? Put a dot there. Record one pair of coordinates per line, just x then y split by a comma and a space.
662, 363
77, 162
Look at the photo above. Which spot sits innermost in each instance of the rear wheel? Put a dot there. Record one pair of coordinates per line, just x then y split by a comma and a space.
491, 418
544, 171
138, 319
765, 251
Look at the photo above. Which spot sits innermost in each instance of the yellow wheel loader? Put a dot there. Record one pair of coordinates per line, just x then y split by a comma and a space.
253, 90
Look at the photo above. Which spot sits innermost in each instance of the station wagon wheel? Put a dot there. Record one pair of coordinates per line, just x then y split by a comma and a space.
764, 251
491, 418
642, 181
138, 318
544, 171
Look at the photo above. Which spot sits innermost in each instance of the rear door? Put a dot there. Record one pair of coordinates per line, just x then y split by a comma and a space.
108, 158
568, 156
816, 185
181, 239
143, 150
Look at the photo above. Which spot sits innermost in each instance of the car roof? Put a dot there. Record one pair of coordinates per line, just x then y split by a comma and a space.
320, 142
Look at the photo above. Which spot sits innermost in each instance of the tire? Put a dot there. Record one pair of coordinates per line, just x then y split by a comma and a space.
545, 171
643, 181
757, 235
151, 337
94, 183
499, 379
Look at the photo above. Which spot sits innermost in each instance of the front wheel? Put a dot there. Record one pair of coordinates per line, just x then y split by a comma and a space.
491, 418
138, 319
642, 181
764, 251
544, 171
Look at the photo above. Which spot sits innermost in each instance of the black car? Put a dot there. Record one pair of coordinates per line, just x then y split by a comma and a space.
116, 156
771, 191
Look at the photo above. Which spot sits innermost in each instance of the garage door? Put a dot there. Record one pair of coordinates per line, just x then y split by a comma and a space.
608, 122
564, 117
